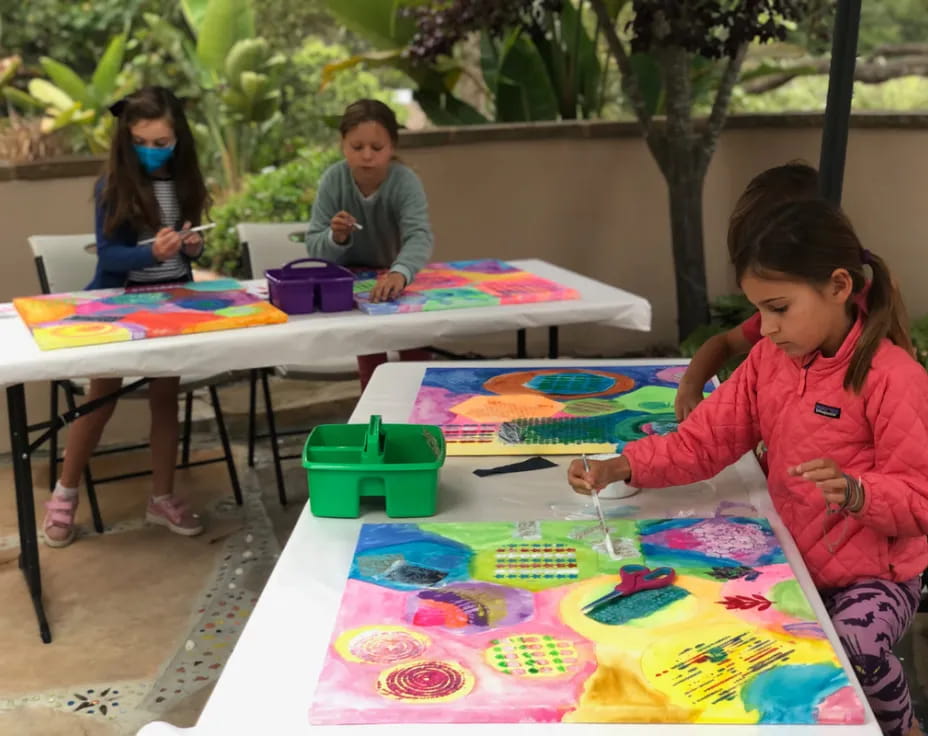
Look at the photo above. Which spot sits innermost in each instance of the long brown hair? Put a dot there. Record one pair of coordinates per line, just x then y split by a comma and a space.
127, 194
807, 241
794, 181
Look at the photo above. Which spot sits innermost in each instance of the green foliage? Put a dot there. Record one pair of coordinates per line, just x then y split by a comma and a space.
310, 110
69, 101
285, 194
70, 31
805, 94
920, 339
382, 25
727, 311
233, 77
892, 22
287, 24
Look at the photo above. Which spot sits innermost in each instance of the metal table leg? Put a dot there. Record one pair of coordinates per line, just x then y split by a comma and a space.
25, 504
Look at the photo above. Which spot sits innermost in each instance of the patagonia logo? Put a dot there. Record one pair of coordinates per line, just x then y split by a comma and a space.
832, 412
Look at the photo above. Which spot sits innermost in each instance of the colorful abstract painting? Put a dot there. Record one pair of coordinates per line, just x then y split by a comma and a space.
461, 285
118, 315
484, 623
541, 410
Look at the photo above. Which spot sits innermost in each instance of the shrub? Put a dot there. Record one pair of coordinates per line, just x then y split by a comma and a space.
284, 194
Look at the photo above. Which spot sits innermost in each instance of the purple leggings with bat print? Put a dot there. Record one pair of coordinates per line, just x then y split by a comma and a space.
870, 616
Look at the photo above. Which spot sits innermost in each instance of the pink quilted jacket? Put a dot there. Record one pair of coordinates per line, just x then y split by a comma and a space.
802, 412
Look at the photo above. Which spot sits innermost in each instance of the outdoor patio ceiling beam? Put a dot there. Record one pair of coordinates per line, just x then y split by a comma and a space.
840, 92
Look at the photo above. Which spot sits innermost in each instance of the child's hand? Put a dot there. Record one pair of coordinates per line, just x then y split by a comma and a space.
167, 243
600, 474
687, 399
389, 286
193, 242
342, 224
826, 474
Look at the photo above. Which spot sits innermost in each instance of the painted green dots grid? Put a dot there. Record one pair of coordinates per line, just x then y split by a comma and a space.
532, 655
536, 562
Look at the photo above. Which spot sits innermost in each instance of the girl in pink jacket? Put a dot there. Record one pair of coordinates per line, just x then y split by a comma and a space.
834, 393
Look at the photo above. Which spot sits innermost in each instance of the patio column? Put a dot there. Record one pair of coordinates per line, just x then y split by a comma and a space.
840, 92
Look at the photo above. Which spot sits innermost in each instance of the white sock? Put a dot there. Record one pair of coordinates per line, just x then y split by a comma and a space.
64, 492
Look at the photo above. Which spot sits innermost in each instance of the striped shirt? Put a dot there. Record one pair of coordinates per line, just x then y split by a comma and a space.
174, 268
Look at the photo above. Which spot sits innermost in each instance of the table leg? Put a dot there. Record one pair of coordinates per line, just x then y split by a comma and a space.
553, 348
272, 436
25, 504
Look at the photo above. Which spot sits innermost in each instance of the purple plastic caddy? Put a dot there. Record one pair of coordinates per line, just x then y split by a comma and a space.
325, 286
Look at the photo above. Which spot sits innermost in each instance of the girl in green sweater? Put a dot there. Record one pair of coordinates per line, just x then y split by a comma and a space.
370, 211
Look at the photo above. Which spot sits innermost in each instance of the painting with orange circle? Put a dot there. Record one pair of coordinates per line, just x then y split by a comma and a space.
518, 624
548, 410
117, 315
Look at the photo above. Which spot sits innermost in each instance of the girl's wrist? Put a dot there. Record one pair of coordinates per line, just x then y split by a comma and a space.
855, 494
619, 469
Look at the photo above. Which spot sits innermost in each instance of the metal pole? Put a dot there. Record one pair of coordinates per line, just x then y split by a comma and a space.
840, 92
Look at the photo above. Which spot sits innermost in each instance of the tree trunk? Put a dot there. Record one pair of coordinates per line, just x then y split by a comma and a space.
684, 186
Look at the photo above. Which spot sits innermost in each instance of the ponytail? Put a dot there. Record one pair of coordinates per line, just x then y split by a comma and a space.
886, 317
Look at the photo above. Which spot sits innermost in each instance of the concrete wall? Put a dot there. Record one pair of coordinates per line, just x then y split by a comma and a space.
598, 205
584, 196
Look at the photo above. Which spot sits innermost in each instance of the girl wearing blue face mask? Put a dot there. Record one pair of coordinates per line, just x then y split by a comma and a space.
151, 188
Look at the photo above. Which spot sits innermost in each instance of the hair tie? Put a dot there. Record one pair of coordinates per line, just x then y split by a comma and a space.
117, 107
866, 257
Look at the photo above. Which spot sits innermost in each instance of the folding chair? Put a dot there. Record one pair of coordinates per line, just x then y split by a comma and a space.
66, 263
265, 246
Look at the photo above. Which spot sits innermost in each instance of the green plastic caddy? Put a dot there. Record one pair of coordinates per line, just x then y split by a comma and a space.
345, 462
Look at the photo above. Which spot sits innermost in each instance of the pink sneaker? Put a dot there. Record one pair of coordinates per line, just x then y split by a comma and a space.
58, 524
175, 515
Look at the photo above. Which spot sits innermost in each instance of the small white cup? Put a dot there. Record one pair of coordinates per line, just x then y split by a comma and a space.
619, 489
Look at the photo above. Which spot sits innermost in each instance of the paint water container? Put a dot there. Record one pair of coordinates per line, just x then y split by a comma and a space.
400, 462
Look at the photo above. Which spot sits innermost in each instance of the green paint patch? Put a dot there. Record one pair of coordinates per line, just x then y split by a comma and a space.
788, 598
650, 399
592, 407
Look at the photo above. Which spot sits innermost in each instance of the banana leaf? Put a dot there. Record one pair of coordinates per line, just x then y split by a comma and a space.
194, 10
47, 93
443, 108
525, 92
371, 59
67, 80
377, 21
20, 99
224, 22
103, 82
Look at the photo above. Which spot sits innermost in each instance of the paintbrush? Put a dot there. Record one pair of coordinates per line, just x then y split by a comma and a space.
183, 233
607, 540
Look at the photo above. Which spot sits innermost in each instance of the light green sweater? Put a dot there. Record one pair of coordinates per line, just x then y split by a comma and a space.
395, 219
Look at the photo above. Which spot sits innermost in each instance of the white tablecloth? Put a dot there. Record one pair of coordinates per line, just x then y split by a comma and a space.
305, 339
268, 683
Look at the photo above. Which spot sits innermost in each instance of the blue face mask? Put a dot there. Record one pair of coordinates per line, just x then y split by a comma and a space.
153, 159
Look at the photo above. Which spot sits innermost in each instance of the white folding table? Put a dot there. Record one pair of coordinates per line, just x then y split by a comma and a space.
268, 682
299, 341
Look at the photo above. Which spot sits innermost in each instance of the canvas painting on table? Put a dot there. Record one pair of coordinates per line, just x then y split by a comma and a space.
485, 623
542, 410
462, 284
118, 315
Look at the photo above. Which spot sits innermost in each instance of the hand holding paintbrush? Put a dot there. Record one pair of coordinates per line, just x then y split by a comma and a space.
183, 235
586, 477
342, 225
